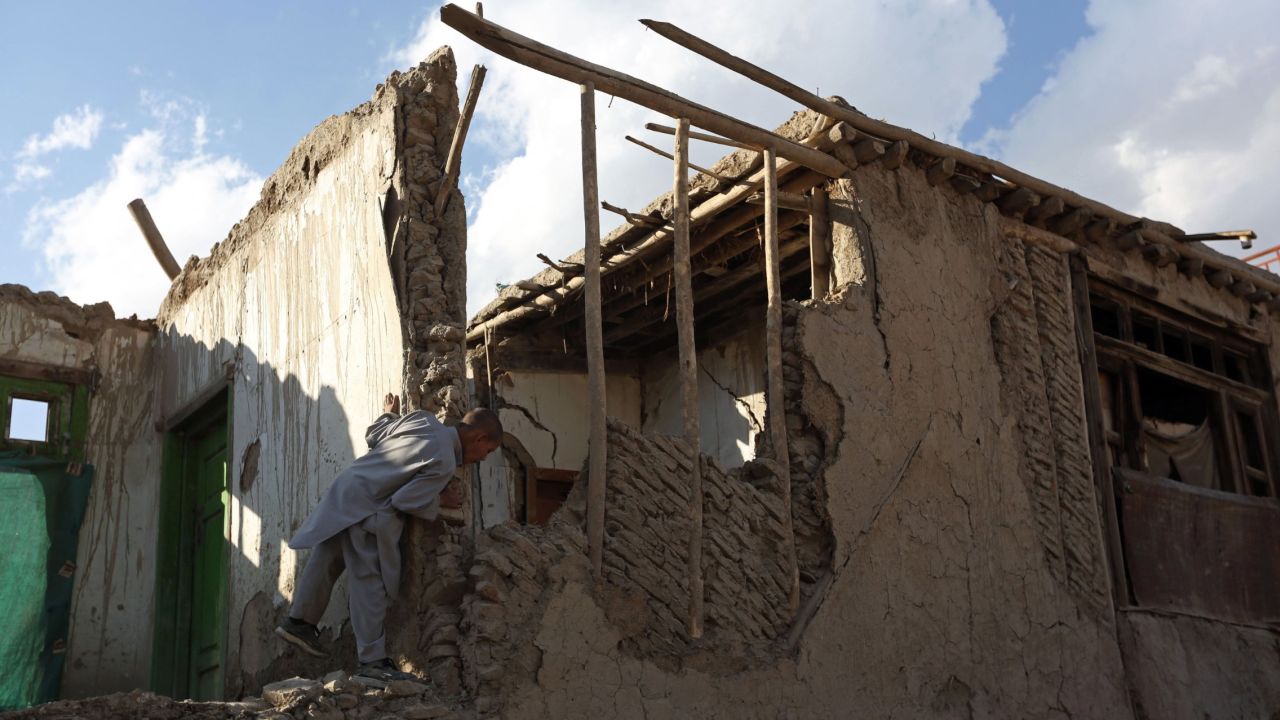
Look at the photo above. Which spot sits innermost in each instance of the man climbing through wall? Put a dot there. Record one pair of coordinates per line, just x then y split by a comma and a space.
357, 525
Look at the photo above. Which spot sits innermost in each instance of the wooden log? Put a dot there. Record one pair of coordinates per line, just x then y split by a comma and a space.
632, 218
1047, 209
1130, 241
819, 244
1191, 266
669, 156
454, 159
1259, 296
841, 134
688, 364
1160, 255
1050, 241
1017, 201
694, 135
890, 132
940, 171
1072, 221
1097, 230
786, 200
989, 191
868, 149
1243, 288
895, 154
775, 399
154, 239
1221, 278
597, 439
964, 184
538, 56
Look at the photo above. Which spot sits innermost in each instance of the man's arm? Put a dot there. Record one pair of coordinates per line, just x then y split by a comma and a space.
378, 430
420, 496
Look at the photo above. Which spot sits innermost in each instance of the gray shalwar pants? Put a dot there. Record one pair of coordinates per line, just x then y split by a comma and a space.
355, 551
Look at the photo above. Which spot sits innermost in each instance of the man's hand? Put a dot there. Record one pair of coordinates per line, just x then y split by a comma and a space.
391, 404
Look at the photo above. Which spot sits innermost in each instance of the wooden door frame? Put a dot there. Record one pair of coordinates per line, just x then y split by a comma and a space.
171, 642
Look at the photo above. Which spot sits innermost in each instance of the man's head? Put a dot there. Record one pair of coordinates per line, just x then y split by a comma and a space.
481, 433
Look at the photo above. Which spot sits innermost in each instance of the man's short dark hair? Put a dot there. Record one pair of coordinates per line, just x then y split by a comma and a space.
486, 422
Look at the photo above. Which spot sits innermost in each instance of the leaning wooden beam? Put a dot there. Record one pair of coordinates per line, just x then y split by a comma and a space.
154, 239
454, 159
819, 243
694, 135
688, 365
775, 401
669, 156
920, 142
554, 62
597, 440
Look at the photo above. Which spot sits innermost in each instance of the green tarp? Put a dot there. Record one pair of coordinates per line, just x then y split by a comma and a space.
42, 503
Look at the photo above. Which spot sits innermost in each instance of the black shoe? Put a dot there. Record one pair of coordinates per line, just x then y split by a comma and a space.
303, 634
380, 673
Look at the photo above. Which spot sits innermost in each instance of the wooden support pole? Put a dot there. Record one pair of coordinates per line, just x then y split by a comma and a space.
154, 239
940, 170
775, 400
543, 58
454, 159
669, 156
819, 244
694, 135
786, 201
688, 371
894, 155
597, 440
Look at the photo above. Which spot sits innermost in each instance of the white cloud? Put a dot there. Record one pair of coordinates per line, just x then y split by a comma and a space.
919, 64
91, 246
77, 129
1168, 110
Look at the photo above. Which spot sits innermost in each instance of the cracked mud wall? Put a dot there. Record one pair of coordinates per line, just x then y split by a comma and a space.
108, 647
730, 396
943, 601
335, 289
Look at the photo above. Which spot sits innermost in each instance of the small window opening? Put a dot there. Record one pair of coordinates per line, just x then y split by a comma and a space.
28, 420
1202, 353
1237, 366
1145, 333
1106, 317
1175, 345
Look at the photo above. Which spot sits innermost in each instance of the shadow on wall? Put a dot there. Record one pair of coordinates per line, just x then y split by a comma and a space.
290, 434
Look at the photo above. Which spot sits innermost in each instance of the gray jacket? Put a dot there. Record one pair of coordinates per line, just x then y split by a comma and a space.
410, 461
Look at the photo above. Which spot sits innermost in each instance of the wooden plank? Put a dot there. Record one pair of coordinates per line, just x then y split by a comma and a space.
597, 440
1202, 551
1095, 423
40, 371
688, 366
154, 239
819, 244
454, 159
533, 54
775, 399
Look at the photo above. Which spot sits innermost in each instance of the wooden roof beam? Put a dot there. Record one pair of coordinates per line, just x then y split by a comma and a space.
537, 56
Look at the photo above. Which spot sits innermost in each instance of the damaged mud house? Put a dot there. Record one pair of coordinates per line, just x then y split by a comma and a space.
893, 430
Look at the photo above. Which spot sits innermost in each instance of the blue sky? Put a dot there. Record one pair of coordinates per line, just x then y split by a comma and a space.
195, 103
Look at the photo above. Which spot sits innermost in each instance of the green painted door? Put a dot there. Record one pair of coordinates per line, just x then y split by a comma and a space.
207, 475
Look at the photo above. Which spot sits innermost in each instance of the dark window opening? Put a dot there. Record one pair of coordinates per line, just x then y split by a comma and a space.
1106, 317
1202, 353
1146, 332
